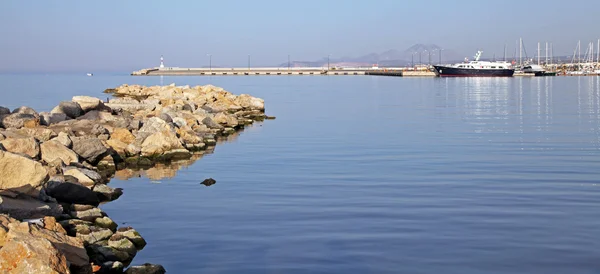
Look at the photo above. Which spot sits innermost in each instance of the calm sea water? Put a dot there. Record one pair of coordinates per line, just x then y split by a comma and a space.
372, 175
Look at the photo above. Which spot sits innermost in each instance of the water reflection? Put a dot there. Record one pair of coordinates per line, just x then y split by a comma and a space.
528, 109
162, 171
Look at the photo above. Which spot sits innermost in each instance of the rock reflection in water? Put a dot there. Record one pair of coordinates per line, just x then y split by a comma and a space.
162, 170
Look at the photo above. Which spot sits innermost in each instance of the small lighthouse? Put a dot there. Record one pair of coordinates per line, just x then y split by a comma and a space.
162, 62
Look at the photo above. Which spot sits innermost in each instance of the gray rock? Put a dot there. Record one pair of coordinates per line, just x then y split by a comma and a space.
73, 194
71, 109
28, 208
19, 120
165, 117
90, 149
121, 243
26, 110
100, 253
107, 193
179, 122
92, 234
4, 110
189, 107
146, 269
153, 125
106, 222
131, 234
210, 123
112, 267
87, 215
47, 118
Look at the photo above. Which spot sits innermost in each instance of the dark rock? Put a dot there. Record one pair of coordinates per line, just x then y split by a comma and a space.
188, 107
165, 117
4, 110
210, 123
146, 269
71, 109
209, 182
111, 267
90, 149
74, 194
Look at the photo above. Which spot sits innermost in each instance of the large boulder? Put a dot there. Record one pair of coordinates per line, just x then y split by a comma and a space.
160, 142
20, 174
31, 254
53, 150
4, 111
91, 149
73, 193
71, 109
71, 247
88, 103
19, 120
23, 146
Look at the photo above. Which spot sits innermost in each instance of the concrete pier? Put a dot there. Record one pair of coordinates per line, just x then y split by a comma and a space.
280, 71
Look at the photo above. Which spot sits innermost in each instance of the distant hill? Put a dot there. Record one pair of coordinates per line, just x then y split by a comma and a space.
387, 58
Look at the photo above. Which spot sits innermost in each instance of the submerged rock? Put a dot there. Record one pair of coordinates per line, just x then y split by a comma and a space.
146, 269
209, 182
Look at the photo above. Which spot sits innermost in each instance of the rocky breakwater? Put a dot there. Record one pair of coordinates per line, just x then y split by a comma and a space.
55, 166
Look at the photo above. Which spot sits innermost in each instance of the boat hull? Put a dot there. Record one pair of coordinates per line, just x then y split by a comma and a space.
444, 71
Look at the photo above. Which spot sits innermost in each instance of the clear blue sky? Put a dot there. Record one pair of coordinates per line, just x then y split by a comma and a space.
125, 35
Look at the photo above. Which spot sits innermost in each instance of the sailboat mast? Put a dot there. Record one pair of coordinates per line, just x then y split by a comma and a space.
538, 54
504, 52
520, 51
579, 52
551, 53
546, 51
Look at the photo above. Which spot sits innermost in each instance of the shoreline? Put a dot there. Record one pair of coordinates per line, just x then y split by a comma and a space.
67, 157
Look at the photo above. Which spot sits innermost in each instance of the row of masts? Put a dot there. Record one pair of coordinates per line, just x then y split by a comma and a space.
545, 54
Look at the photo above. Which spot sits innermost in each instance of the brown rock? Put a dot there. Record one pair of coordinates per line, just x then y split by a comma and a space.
123, 135
29, 178
23, 146
160, 142
53, 150
29, 254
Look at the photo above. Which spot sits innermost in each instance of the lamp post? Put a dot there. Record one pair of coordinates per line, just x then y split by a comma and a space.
288, 62
210, 61
440, 50
328, 57
420, 57
248, 62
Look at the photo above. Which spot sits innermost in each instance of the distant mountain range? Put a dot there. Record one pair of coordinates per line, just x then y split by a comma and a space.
388, 58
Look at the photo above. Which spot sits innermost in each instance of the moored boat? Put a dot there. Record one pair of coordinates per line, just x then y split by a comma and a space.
475, 68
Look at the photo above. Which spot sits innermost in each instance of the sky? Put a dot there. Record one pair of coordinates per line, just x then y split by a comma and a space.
129, 35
